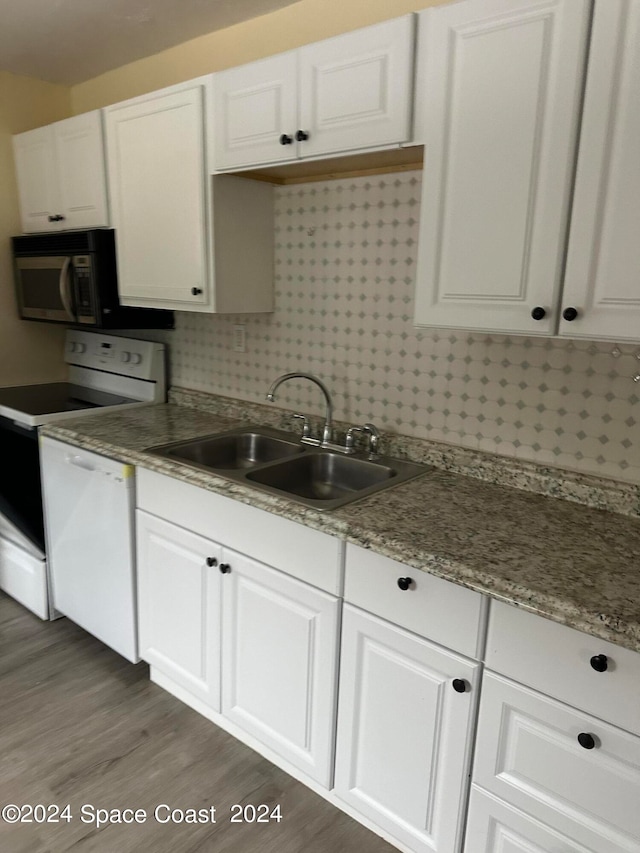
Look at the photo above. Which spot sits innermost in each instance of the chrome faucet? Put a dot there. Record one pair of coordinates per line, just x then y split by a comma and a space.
327, 432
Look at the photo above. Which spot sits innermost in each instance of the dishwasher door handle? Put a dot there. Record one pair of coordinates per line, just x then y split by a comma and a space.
79, 462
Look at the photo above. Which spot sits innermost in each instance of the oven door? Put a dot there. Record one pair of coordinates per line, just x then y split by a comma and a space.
21, 520
45, 288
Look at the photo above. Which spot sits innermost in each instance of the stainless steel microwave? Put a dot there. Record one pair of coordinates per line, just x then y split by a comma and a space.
70, 277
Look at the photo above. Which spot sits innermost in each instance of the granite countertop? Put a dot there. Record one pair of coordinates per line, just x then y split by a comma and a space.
574, 564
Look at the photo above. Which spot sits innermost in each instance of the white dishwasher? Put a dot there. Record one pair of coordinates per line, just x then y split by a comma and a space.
89, 505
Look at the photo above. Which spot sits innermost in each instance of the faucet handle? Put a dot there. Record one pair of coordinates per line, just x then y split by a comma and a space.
374, 437
372, 433
306, 429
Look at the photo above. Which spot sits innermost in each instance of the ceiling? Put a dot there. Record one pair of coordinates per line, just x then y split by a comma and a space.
70, 41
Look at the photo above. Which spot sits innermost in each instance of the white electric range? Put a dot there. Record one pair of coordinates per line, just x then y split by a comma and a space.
106, 373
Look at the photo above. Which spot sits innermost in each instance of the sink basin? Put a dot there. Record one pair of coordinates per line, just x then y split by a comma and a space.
275, 462
237, 449
322, 476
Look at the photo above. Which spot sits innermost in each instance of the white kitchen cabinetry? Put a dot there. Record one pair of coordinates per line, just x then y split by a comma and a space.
406, 713
185, 241
500, 91
179, 611
60, 171
347, 93
218, 623
404, 732
279, 663
603, 263
545, 766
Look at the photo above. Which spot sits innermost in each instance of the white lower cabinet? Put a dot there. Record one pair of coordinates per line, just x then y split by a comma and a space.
573, 772
179, 585
246, 640
494, 826
279, 663
404, 732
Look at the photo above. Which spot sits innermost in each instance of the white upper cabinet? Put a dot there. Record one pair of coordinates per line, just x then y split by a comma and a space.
347, 93
185, 241
155, 149
61, 175
500, 89
602, 281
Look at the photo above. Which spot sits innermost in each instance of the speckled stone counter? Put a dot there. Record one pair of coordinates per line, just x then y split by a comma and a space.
574, 564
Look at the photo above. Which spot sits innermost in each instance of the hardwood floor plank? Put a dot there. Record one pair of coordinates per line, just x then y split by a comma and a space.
81, 725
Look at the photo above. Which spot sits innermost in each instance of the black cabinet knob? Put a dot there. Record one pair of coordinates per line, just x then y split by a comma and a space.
586, 740
225, 568
52, 219
211, 561
599, 663
285, 139
569, 314
60, 218
301, 135
538, 313
459, 685
404, 583
196, 291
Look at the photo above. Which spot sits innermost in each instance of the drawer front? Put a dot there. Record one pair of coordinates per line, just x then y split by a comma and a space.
556, 660
434, 608
306, 554
496, 827
530, 755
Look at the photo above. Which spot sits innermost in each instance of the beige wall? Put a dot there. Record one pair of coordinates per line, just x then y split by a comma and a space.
301, 23
29, 352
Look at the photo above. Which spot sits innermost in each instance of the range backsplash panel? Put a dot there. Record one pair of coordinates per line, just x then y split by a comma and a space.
345, 265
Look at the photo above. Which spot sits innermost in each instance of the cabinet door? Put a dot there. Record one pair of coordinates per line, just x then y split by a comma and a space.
356, 89
565, 768
496, 827
603, 262
279, 663
255, 106
404, 733
79, 152
155, 155
501, 94
179, 605
37, 178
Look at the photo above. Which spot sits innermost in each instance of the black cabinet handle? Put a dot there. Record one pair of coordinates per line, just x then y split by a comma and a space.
586, 740
52, 219
211, 561
404, 583
225, 568
301, 135
459, 685
538, 313
599, 663
569, 314
285, 139
56, 218
196, 291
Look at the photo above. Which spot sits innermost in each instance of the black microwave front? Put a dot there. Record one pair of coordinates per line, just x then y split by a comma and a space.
70, 277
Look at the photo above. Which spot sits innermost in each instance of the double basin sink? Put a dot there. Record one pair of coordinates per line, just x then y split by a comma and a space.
275, 462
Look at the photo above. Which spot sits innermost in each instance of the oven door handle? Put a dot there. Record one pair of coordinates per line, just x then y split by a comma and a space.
65, 288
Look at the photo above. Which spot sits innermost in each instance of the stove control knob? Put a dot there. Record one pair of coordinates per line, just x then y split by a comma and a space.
136, 358
80, 348
126, 357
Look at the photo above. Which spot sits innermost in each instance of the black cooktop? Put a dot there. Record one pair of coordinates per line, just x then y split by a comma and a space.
52, 397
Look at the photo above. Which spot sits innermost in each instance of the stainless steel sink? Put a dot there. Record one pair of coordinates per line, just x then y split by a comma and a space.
323, 476
274, 462
237, 449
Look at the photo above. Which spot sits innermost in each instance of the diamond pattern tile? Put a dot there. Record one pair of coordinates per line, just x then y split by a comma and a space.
345, 263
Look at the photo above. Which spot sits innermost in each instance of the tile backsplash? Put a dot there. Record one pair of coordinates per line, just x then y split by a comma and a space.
345, 265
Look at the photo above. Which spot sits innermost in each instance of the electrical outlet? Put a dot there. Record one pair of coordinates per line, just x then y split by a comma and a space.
239, 338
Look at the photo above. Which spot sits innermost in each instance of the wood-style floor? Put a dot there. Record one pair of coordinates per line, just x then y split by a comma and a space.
80, 725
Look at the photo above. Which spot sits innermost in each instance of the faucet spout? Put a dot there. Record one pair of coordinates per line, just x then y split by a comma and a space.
327, 431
